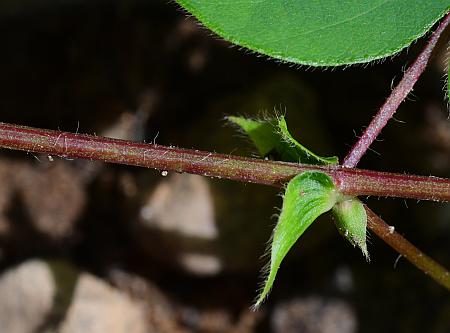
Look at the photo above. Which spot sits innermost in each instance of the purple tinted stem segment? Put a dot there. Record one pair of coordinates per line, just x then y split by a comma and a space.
348, 181
407, 250
395, 99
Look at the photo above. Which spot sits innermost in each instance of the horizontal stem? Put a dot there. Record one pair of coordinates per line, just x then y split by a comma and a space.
348, 180
407, 250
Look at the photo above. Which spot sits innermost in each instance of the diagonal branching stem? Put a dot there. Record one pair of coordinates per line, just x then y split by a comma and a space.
407, 250
397, 96
375, 223
348, 180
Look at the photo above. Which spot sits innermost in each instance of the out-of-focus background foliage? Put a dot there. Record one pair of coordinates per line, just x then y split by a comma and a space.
90, 247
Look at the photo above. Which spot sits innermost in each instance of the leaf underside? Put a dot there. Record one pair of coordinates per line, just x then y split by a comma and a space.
308, 195
320, 33
271, 136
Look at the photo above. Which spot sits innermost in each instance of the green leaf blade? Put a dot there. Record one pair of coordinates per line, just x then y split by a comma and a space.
320, 33
302, 153
307, 196
272, 136
261, 133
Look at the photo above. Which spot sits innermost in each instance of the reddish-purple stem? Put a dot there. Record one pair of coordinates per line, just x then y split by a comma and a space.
406, 249
397, 96
348, 181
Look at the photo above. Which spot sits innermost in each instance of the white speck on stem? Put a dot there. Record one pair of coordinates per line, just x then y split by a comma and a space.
391, 229
50, 158
164, 173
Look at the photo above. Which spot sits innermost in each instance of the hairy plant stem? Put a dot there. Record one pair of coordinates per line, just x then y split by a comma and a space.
394, 100
406, 249
349, 181
375, 223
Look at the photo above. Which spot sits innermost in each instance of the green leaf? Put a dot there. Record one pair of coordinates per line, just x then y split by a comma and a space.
299, 152
320, 33
262, 133
351, 221
308, 195
272, 136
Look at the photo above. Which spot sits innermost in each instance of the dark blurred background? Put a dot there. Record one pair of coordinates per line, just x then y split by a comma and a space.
90, 247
